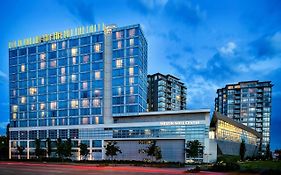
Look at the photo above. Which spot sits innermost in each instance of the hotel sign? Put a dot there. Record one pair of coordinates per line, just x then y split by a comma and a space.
57, 35
173, 123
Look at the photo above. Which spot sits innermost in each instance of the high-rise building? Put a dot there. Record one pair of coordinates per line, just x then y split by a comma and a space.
165, 93
248, 103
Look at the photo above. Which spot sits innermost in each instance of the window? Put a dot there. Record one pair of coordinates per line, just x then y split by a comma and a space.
53, 105
119, 63
23, 100
42, 56
131, 90
42, 65
74, 51
131, 41
73, 78
131, 32
119, 44
86, 58
53, 63
96, 120
32, 91
85, 120
62, 70
22, 68
131, 71
131, 80
62, 79
53, 46
74, 60
97, 47
85, 103
132, 61
96, 102
119, 35
42, 81
85, 85
74, 104
63, 44
97, 75
42, 106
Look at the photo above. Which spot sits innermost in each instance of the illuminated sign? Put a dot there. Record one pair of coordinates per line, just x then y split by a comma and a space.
57, 35
180, 123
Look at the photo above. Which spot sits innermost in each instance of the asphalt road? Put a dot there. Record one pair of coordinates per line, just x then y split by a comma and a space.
26, 168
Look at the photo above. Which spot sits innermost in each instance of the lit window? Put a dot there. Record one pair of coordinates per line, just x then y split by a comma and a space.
74, 60
23, 100
53, 122
85, 120
119, 44
14, 92
32, 107
97, 93
32, 91
42, 56
97, 75
86, 58
131, 80
85, 85
42, 65
131, 90
131, 42
131, 32
85, 103
74, 103
118, 35
131, 51
96, 102
53, 63
132, 61
97, 47
22, 68
14, 108
62, 70
54, 46
14, 116
53, 105
97, 120
119, 63
63, 44
119, 91
74, 51
131, 71
62, 79
42, 106
42, 81
73, 78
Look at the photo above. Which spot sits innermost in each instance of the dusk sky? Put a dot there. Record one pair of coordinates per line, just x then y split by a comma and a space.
206, 43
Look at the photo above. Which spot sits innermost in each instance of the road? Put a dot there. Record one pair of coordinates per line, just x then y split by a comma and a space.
26, 168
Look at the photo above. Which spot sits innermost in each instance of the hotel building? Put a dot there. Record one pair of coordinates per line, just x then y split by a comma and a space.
248, 103
91, 87
165, 93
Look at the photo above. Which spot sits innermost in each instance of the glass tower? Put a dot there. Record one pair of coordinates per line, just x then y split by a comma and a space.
83, 79
248, 103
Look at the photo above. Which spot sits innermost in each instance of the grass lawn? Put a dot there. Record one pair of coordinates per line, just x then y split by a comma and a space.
260, 165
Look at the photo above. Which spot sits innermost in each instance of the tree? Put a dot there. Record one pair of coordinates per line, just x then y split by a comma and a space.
84, 150
4, 148
242, 150
153, 151
49, 147
112, 149
59, 148
194, 149
277, 152
67, 146
38, 151
268, 154
20, 151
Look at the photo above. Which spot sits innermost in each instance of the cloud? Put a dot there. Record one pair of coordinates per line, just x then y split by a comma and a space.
82, 10
228, 49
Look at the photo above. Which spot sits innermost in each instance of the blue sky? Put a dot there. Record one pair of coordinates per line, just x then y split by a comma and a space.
206, 43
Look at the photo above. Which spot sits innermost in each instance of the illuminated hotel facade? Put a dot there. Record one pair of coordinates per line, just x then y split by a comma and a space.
91, 87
